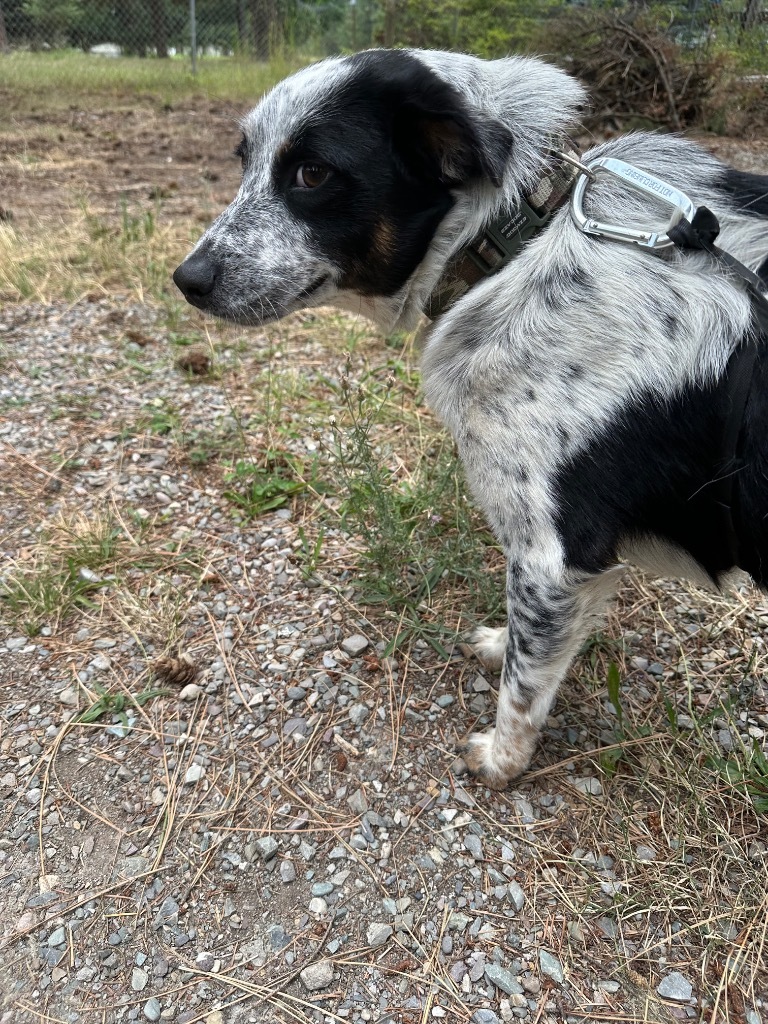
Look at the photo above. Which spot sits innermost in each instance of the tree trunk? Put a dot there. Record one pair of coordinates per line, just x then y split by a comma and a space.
159, 27
389, 22
750, 15
261, 28
4, 47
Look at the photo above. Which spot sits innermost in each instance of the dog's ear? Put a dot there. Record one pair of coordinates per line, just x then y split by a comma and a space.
454, 146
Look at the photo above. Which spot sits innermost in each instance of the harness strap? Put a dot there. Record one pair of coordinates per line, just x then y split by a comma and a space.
700, 233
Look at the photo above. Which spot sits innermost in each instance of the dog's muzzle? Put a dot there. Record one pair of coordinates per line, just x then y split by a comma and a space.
196, 278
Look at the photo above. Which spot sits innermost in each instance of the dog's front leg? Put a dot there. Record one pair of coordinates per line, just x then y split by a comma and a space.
549, 617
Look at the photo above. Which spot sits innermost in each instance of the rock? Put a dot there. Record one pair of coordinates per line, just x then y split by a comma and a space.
516, 894
57, 937
266, 847
194, 773
168, 912
152, 1009
645, 853
69, 697
215, 1017
318, 975
551, 966
358, 802
139, 979
318, 906
378, 933
190, 692
287, 871
675, 986
590, 786
205, 961
322, 889
503, 979
475, 847
484, 1017
606, 985
26, 921
354, 645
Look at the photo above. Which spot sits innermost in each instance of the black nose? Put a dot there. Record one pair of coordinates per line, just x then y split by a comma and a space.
195, 277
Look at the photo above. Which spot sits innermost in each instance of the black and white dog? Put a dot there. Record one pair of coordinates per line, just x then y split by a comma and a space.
586, 382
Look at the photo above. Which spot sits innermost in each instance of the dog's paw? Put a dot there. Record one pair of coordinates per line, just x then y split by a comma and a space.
489, 646
485, 763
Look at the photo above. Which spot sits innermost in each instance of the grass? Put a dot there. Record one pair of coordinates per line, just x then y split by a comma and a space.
422, 541
34, 81
134, 252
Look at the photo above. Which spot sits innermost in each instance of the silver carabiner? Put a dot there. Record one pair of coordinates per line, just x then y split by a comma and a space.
641, 181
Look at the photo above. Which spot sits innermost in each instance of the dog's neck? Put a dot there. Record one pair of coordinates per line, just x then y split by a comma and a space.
502, 239
540, 105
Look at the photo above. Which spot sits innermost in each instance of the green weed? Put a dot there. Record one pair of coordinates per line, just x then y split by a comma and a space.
419, 531
259, 488
116, 703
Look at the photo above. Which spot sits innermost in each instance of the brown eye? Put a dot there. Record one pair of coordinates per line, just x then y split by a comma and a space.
311, 175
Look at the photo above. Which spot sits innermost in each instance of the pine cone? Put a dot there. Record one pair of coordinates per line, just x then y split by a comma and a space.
175, 671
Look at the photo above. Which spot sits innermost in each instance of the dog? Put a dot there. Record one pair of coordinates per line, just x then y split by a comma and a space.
587, 382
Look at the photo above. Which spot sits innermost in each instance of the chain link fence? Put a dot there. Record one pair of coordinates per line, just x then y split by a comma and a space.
261, 29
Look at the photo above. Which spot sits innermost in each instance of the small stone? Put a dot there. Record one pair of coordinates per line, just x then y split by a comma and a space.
475, 847
287, 871
318, 906
503, 979
551, 966
322, 889
295, 693
26, 921
377, 934
590, 786
215, 1017
139, 979
606, 985
675, 986
645, 853
69, 697
168, 912
57, 937
485, 1017
317, 976
358, 802
194, 773
205, 961
266, 847
152, 1009
481, 685
516, 894
354, 645
190, 692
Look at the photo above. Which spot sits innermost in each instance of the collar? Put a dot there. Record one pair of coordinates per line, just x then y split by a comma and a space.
502, 239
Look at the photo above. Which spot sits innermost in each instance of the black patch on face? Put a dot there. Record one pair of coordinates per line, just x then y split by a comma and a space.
397, 139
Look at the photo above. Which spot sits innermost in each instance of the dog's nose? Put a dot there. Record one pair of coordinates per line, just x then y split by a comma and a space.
195, 277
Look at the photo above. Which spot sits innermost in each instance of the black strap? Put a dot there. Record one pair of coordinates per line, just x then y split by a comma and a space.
700, 233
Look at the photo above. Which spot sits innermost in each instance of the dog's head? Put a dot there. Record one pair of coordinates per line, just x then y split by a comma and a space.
349, 168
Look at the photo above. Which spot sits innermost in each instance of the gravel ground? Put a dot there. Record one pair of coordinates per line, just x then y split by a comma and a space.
283, 833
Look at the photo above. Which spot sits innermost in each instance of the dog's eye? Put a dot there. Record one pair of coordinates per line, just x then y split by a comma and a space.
312, 175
